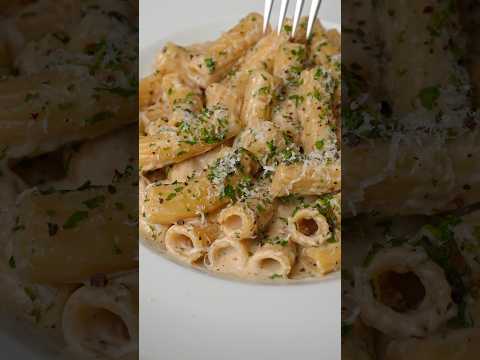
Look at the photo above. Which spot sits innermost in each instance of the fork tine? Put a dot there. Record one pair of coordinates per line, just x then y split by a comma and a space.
266, 14
283, 12
313, 15
296, 17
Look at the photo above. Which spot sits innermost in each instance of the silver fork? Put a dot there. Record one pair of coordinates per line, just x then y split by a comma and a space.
298, 11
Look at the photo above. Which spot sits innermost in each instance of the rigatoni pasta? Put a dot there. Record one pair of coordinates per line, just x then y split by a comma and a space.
190, 241
51, 225
227, 255
102, 320
239, 155
68, 155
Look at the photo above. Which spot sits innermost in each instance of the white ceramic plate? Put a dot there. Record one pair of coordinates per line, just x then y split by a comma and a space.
186, 314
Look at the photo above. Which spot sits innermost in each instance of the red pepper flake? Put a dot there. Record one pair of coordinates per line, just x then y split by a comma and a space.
35, 116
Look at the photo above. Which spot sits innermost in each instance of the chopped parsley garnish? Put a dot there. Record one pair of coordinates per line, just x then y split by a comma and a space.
319, 144
296, 70
290, 155
352, 119
210, 63
346, 328
229, 192
271, 146
94, 202
319, 73
171, 196
275, 276
299, 53
224, 167
260, 208
30, 293
264, 90
201, 129
12, 263
210, 136
74, 219
429, 96
444, 230
297, 98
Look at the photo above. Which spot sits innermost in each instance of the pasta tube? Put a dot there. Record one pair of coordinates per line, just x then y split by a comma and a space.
258, 98
412, 170
28, 127
172, 59
271, 261
153, 119
179, 98
313, 177
227, 256
181, 172
301, 32
102, 321
51, 227
308, 227
112, 152
414, 46
41, 18
209, 64
259, 58
189, 242
206, 192
321, 260
425, 312
246, 218
262, 55
285, 115
261, 140
316, 113
173, 144
195, 134
323, 45
154, 233
225, 95
149, 90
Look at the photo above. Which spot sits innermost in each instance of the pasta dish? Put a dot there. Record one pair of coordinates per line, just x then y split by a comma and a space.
239, 153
